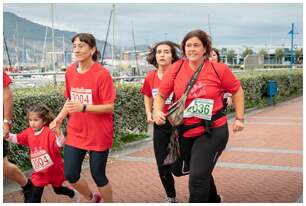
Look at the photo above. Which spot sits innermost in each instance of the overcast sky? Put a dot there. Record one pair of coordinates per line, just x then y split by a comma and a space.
228, 24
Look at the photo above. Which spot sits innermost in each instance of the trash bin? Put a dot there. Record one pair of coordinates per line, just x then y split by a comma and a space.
272, 88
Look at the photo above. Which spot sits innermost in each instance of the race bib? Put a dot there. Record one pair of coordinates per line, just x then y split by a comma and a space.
168, 100
84, 96
200, 108
41, 162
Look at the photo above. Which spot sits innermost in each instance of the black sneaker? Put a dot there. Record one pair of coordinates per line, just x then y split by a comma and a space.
27, 192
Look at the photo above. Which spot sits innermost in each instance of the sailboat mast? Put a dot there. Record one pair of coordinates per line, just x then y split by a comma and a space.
17, 49
133, 36
44, 49
53, 63
7, 52
105, 42
113, 36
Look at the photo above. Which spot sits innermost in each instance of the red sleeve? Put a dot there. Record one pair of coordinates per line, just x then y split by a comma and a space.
167, 84
67, 86
22, 138
146, 88
229, 82
107, 92
6, 80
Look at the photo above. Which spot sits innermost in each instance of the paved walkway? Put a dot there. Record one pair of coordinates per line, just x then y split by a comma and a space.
264, 163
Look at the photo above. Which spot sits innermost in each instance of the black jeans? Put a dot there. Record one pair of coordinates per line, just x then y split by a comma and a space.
202, 153
38, 191
161, 139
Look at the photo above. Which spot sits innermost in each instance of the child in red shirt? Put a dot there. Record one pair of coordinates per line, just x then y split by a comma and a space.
45, 153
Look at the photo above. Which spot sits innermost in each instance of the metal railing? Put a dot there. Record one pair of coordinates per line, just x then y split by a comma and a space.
36, 79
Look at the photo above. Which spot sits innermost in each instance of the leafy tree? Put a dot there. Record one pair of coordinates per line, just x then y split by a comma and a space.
279, 54
230, 55
298, 55
247, 51
264, 52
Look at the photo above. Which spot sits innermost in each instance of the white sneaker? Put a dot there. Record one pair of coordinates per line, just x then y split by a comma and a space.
221, 199
76, 197
170, 200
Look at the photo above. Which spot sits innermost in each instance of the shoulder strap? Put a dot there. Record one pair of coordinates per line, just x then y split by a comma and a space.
179, 69
215, 71
193, 79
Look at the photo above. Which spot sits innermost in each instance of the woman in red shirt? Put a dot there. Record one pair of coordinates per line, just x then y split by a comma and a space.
90, 94
204, 133
161, 56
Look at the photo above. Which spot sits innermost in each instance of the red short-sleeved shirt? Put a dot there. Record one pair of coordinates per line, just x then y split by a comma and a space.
207, 86
150, 87
6, 80
45, 156
88, 130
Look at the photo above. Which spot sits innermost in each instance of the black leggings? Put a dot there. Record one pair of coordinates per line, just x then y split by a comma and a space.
38, 191
161, 139
73, 158
203, 153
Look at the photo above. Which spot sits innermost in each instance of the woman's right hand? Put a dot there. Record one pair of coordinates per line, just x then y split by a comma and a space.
150, 118
55, 124
159, 117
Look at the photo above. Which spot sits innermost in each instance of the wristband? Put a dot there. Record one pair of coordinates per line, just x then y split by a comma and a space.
240, 119
84, 107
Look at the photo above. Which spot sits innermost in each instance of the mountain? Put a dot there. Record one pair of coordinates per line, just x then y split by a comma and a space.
30, 38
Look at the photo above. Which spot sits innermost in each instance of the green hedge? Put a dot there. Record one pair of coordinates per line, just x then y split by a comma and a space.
129, 113
129, 109
254, 84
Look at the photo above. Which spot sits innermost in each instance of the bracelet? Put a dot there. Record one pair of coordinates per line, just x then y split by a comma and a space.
7, 121
240, 119
84, 107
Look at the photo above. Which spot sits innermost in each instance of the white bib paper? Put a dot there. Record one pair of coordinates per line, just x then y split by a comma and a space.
200, 108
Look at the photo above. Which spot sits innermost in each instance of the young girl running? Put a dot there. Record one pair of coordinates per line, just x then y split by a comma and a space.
45, 153
161, 56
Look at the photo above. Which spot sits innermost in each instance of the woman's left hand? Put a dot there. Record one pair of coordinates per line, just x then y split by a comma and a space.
238, 125
229, 101
73, 106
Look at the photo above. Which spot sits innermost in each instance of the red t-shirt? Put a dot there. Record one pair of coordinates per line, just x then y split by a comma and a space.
207, 86
150, 88
88, 130
6, 80
45, 155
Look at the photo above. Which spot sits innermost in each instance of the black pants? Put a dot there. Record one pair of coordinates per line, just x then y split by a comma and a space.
161, 139
5, 148
202, 153
38, 191
73, 158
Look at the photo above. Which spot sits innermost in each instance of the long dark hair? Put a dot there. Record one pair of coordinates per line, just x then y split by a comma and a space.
217, 52
91, 41
151, 56
43, 112
202, 36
